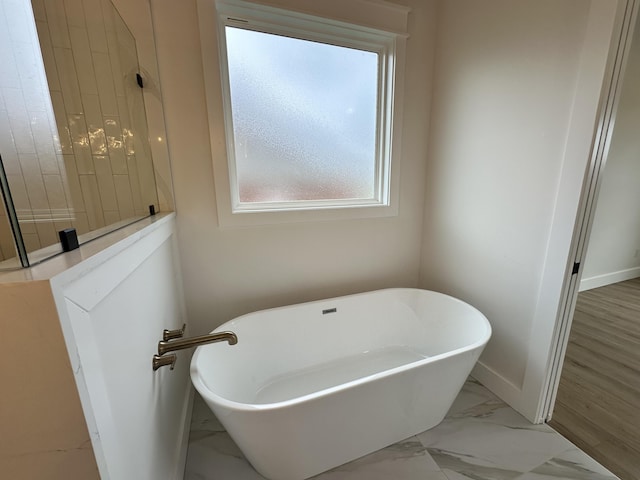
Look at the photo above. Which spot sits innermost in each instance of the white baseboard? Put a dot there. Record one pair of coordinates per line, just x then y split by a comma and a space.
186, 430
500, 386
609, 278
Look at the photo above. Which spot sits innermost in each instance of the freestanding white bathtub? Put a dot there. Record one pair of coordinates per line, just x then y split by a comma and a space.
309, 387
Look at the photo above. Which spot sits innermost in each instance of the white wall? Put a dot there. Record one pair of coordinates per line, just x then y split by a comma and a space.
515, 100
232, 271
613, 254
515, 89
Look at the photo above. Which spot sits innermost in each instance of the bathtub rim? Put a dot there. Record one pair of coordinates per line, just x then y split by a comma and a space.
208, 394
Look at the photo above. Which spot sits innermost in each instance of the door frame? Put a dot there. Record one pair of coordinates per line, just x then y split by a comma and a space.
624, 26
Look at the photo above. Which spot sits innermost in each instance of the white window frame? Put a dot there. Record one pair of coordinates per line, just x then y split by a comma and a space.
322, 27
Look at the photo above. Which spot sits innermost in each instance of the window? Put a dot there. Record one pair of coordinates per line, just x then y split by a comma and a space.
304, 120
309, 110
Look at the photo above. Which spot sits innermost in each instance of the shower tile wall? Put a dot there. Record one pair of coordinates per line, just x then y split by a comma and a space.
88, 165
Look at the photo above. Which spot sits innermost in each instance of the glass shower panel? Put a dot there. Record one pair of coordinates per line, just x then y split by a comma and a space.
135, 133
100, 113
73, 130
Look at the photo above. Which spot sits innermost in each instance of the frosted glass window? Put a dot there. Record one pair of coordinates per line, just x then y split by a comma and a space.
312, 99
304, 118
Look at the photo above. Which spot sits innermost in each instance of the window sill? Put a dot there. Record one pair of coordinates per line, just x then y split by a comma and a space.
226, 219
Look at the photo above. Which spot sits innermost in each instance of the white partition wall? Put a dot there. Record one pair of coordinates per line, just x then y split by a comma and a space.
113, 308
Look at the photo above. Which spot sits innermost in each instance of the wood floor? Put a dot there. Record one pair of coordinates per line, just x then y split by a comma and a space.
598, 403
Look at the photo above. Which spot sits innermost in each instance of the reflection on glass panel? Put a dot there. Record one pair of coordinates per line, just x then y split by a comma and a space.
7, 249
29, 151
8, 257
73, 132
134, 126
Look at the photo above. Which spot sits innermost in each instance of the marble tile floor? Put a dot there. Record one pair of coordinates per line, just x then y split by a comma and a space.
480, 439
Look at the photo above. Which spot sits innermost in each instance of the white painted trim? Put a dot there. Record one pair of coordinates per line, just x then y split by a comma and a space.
186, 430
495, 382
375, 14
609, 278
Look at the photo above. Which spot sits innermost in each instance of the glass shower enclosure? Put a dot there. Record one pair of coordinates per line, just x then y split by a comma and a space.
74, 149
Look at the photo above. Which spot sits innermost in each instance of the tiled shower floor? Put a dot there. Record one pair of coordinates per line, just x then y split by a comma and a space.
480, 439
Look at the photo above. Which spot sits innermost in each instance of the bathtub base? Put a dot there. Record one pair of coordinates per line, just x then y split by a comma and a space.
330, 431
